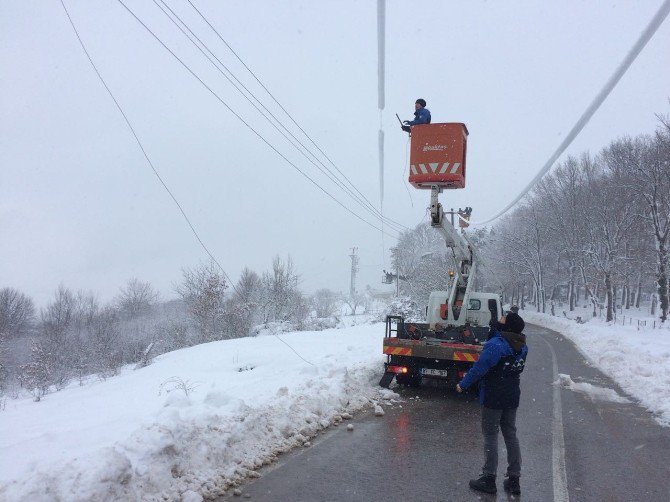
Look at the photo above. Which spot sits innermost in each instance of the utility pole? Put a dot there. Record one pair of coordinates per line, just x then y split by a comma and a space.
354, 268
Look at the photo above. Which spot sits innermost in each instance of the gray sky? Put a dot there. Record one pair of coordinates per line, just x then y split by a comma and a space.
79, 205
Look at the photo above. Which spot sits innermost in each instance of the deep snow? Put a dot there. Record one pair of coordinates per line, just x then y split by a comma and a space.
193, 423
199, 420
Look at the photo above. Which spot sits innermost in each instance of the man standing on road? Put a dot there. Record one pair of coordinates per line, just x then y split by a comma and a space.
499, 366
421, 115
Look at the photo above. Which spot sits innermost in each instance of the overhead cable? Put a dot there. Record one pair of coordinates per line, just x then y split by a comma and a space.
239, 86
635, 50
256, 133
144, 152
216, 32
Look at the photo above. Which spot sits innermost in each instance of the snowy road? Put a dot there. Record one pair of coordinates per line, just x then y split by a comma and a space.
428, 447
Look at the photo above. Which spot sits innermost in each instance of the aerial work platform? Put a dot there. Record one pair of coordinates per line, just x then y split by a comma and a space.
437, 155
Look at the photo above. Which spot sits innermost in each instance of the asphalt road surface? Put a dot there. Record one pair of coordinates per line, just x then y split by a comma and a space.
426, 448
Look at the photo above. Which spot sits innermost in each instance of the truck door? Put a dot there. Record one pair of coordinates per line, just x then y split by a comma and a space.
493, 308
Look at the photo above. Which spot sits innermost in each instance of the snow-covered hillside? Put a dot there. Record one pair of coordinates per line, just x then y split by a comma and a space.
194, 422
199, 420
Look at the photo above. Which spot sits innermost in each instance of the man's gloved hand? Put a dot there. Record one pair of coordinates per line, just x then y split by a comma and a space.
406, 122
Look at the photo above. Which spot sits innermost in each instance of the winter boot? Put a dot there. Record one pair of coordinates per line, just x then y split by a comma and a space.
511, 485
486, 483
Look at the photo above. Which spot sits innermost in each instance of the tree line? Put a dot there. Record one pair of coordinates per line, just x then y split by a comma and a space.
76, 336
594, 231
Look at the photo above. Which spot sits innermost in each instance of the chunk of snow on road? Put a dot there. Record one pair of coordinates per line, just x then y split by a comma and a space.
379, 411
634, 359
593, 391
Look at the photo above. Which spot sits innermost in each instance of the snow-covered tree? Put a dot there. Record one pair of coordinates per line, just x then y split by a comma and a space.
326, 302
57, 321
3, 362
203, 290
422, 263
17, 313
243, 307
281, 299
36, 376
104, 338
136, 298
654, 188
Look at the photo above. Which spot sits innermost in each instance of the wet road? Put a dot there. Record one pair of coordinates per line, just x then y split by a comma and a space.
428, 447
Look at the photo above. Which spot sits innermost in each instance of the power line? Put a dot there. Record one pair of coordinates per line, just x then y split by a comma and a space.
137, 139
328, 173
635, 50
144, 152
245, 122
294, 351
286, 112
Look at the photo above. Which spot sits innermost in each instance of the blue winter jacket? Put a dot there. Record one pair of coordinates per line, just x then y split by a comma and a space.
421, 116
499, 367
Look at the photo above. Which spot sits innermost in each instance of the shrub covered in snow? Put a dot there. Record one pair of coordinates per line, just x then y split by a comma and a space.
405, 307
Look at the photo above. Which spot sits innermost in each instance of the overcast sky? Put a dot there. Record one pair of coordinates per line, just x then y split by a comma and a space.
79, 205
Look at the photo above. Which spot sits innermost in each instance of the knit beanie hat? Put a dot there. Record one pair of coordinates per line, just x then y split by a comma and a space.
514, 323
421, 101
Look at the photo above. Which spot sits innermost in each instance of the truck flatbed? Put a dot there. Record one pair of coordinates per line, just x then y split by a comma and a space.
432, 348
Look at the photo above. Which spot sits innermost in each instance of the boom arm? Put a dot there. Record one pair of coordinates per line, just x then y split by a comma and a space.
465, 258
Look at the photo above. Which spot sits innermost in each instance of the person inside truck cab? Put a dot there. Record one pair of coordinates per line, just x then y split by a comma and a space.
499, 367
421, 115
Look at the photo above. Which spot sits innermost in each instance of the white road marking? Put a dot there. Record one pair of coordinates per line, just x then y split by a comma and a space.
558, 442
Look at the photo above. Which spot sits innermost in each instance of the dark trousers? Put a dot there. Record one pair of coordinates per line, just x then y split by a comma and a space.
492, 420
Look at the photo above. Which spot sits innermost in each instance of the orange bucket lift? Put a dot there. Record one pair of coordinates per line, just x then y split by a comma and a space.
437, 155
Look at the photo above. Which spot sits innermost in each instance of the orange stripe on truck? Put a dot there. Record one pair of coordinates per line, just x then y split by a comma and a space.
465, 356
397, 351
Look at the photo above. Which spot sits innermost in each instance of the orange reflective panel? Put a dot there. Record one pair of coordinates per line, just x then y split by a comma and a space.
437, 155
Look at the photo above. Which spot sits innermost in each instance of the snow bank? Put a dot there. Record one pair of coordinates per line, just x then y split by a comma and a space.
637, 360
191, 425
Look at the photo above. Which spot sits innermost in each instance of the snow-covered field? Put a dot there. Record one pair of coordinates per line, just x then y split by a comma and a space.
193, 423
637, 359
198, 421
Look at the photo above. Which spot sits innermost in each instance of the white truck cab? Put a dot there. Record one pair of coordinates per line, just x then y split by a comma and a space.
482, 308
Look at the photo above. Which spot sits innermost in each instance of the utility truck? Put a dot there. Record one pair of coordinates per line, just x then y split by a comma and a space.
458, 318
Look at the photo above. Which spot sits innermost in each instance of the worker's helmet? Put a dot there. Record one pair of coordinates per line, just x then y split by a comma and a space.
421, 101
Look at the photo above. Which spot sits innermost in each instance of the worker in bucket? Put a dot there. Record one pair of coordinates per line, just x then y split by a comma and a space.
421, 115
499, 367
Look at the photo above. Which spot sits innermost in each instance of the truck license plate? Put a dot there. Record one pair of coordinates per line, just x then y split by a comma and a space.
432, 372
